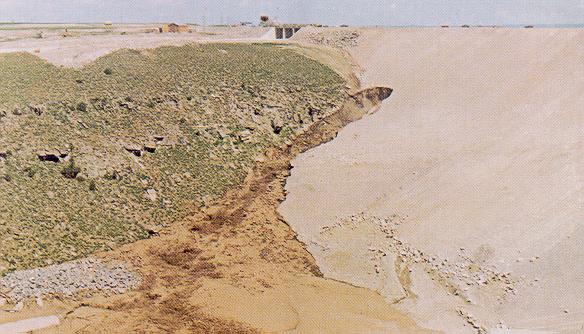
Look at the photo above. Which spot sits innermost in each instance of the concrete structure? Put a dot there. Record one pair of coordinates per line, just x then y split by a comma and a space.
287, 30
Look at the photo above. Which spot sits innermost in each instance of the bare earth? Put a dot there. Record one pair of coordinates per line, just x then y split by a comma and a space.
461, 199
458, 203
232, 267
83, 47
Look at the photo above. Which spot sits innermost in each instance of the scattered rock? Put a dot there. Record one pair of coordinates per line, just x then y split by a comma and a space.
339, 38
66, 279
85, 126
36, 109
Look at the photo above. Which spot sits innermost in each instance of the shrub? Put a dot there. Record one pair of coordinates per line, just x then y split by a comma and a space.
108, 71
92, 185
82, 106
112, 176
71, 170
30, 172
7, 178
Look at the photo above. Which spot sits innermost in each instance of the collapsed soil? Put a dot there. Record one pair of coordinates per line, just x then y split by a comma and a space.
236, 266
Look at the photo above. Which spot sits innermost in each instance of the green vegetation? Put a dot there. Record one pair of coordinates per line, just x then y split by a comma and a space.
70, 170
138, 138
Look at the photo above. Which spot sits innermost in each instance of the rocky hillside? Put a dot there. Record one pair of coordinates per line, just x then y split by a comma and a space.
95, 157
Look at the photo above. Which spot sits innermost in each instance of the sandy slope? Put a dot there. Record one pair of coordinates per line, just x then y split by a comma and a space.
479, 154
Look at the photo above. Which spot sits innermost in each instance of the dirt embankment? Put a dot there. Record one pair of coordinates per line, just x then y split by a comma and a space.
474, 167
237, 267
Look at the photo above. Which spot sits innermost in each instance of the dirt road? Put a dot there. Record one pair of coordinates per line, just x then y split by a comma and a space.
79, 50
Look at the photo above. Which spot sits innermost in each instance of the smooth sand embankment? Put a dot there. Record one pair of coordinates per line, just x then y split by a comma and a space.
479, 154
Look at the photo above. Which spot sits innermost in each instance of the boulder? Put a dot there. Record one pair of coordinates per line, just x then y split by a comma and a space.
134, 149
150, 147
222, 133
49, 155
249, 125
245, 136
277, 124
151, 194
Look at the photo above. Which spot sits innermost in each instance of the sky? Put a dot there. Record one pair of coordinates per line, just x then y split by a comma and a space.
330, 12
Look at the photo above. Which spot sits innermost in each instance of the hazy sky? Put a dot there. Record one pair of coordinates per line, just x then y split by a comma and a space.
333, 12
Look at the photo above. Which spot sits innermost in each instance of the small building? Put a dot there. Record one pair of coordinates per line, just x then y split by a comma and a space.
108, 25
173, 27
